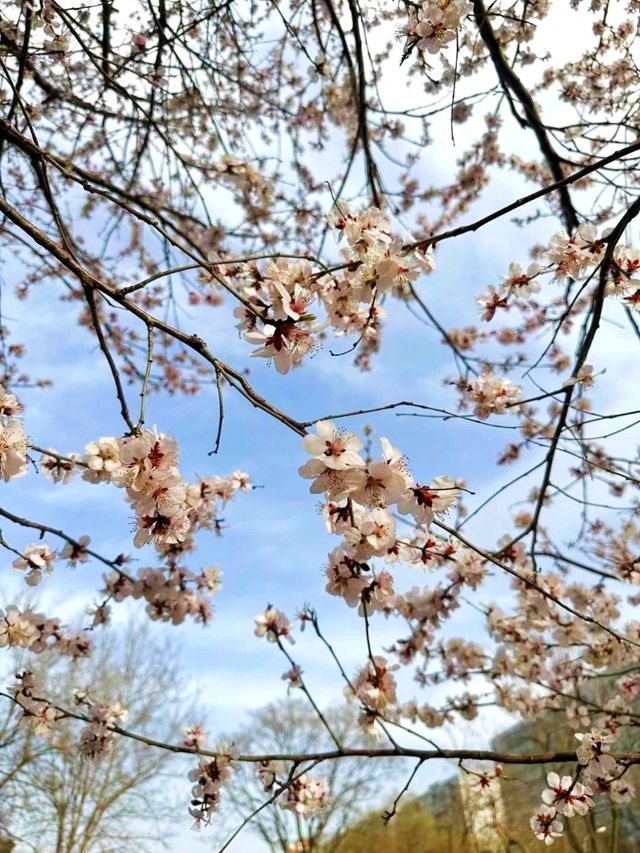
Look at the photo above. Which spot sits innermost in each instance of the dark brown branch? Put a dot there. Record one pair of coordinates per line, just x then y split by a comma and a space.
512, 83
193, 342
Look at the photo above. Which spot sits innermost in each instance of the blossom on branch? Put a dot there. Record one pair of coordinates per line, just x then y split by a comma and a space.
273, 624
36, 561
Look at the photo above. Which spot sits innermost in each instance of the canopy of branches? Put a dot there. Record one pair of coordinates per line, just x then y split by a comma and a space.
383, 253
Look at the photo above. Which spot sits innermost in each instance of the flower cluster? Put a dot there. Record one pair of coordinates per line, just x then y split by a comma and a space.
36, 561
208, 777
374, 685
517, 286
168, 512
256, 192
306, 796
171, 596
167, 508
488, 395
30, 630
98, 736
273, 625
359, 495
13, 442
567, 797
570, 257
281, 300
36, 713
59, 469
47, 27
556, 634
593, 752
546, 825
435, 24
148, 470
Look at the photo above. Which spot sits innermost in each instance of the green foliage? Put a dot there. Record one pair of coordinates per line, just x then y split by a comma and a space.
414, 829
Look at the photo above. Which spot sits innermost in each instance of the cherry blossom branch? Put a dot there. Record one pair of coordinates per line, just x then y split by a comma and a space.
236, 379
124, 408
59, 457
279, 789
313, 618
512, 82
573, 562
145, 380
397, 751
533, 585
303, 687
444, 413
216, 446
612, 240
386, 817
88, 182
60, 534
363, 126
219, 262
524, 200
